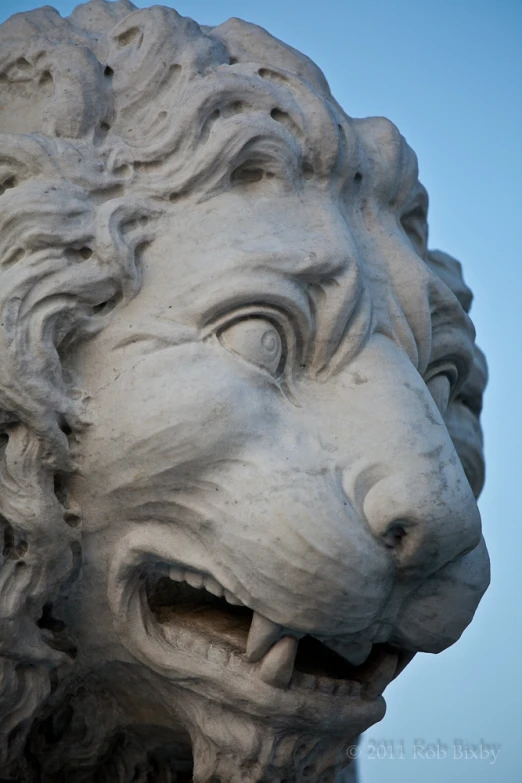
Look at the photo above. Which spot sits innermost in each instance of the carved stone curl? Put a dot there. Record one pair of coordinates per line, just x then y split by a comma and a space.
229, 372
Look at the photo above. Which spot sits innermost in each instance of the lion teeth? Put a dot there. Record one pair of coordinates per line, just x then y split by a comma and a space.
231, 599
194, 579
277, 665
378, 674
325, 685
262, 636
356, 654
176, 573
217, 654
198, 580
213, 587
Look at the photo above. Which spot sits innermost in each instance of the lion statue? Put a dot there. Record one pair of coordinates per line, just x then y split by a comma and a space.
230, 376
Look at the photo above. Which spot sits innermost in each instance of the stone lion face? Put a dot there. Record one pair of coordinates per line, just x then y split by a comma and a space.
275, 518
232, 382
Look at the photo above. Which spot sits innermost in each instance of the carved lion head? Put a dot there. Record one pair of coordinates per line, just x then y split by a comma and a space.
229, 376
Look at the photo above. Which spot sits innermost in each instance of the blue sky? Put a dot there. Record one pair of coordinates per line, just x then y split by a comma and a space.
448, 73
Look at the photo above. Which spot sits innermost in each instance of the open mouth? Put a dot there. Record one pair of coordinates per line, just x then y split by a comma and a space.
195, 613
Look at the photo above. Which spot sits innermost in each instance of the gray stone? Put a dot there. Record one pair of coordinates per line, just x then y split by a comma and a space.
234, 389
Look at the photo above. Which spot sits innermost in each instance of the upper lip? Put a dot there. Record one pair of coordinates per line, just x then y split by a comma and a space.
281, 657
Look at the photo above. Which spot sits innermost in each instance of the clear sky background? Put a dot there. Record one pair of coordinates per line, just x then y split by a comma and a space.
449, 74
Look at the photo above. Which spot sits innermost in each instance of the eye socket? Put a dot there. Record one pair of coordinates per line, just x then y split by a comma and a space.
440, 390
415, 225
257, 340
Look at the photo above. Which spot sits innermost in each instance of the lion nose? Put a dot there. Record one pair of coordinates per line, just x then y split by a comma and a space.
425, 517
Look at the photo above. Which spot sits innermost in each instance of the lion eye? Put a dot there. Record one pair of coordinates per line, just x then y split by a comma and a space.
441, 382
440, 389
255, 339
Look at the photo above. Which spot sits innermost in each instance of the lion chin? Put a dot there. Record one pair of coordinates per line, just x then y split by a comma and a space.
240, 442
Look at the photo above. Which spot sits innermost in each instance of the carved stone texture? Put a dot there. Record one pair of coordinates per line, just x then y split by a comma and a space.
230, 375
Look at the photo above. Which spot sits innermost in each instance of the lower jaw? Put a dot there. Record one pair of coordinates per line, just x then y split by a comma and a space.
243, 730
230, 744
233, 743
233, 747
204, 742
210, 673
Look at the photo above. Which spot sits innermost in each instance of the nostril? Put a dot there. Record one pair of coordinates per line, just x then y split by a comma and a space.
394, 535
425, 519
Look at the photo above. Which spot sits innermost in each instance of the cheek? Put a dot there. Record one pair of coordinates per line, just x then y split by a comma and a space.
190, 403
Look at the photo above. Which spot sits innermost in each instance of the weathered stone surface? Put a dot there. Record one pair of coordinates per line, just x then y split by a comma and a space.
234, 389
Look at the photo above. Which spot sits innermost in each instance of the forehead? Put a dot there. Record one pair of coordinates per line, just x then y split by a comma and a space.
267, 201
244, 247
272, 222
